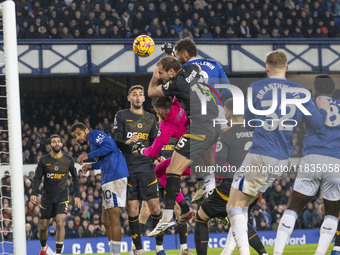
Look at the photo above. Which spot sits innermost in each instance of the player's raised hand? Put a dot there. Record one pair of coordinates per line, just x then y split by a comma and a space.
322, 103
77, 202
137, 148
86, 168
81, 159
168, 48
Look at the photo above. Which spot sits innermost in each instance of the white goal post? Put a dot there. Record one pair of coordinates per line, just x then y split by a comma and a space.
7, 10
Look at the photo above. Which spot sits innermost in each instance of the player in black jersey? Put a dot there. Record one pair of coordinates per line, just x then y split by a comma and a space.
232, 146
55, 167
196, 145
132, 125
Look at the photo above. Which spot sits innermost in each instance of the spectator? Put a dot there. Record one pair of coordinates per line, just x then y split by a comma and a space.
308, 215
244, 30
71, 230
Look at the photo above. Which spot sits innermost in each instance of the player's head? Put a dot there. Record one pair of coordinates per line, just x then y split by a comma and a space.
79, 131
162, 106
323, 86
136, 96
276, 63
228, 109
185, 50
55, 142
168, 68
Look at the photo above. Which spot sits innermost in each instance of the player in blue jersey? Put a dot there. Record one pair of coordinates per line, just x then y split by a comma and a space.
272, 143
112, 164
319, 168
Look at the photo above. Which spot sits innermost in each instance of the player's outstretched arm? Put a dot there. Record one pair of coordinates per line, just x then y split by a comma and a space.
39, 171
154, 89
75, 182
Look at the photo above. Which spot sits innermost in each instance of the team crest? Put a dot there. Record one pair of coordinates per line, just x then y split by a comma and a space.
56, 168
219, 146
139, 125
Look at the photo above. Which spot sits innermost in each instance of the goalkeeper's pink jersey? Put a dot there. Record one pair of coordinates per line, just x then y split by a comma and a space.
174, 125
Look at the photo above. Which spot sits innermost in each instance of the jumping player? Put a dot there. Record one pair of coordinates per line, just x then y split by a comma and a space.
130, 126
272, 143
321, 149
173, 126
55, 167
197, 142
232, 146
114, 181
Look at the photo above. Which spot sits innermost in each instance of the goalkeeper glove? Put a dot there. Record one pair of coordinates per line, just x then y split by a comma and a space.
137, 148
168, 48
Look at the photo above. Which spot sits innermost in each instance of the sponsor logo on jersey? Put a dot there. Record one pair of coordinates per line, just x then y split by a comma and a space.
140, 135
55, 176
191, 76
168, 147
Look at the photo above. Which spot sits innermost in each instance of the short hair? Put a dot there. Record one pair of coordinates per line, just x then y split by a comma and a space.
162, 102
134, 87
228, 104
53, 136
324, 84
79, 125
276, 59
187, 45
168, 62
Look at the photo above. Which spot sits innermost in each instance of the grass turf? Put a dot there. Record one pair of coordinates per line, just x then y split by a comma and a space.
305, 249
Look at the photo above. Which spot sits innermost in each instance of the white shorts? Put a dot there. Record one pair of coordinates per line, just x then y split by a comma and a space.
257, 173
114, 193
318, 171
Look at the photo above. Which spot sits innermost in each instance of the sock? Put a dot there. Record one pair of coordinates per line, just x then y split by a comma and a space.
284, 231
327, 232
114, 247
159, 247
245, 212
184, 207
230, 244
135, 232
201, 236
209, 182
238, 224
184, 247
167, 215
155, 220
142, 228
171, 190
183, 233
255, 241
337, 239
59, 247
43, 244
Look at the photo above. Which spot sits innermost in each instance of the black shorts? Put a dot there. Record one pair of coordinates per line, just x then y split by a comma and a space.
216, 204
198, 138
51, 206
142, 186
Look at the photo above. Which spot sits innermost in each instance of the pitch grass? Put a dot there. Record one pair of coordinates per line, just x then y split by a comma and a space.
305, 249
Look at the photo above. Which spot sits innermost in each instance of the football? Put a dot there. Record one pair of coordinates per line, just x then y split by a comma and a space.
143, 46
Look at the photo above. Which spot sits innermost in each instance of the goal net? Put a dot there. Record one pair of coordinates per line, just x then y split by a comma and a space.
12, 210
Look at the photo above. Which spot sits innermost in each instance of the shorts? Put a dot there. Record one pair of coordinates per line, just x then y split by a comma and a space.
197, 139
215, 205
114, 193
318, 171
142, 186
257, 173
52, 206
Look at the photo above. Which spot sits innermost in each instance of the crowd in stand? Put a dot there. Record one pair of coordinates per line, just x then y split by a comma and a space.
68, 19
53, 113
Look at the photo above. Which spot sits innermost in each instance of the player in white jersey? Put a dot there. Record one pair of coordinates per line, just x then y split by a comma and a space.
319, 169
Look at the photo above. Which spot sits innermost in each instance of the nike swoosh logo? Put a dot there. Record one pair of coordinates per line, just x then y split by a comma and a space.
286, 226
327, 228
